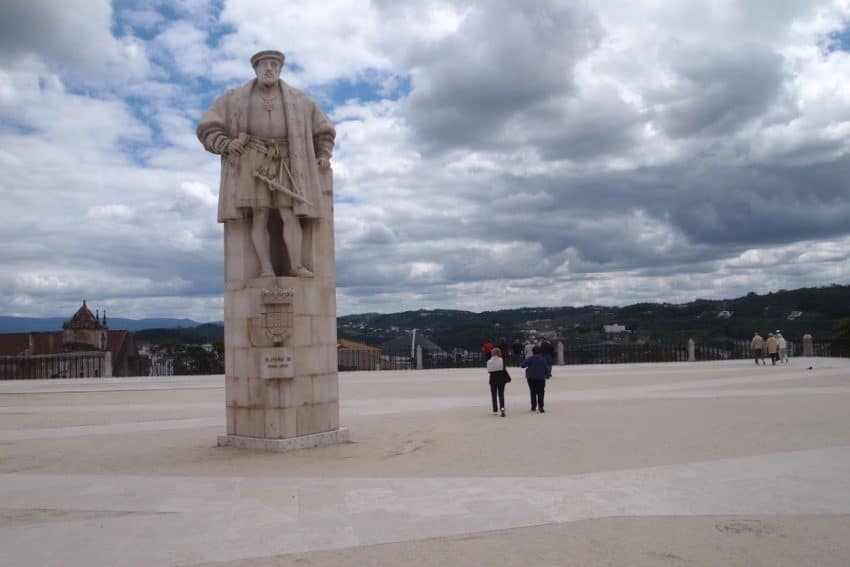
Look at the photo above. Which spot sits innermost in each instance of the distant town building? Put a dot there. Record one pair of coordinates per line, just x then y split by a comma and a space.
400, 352
408, 344
795, 315
84, 348
724, 315
351, 355
159, 362
614, 329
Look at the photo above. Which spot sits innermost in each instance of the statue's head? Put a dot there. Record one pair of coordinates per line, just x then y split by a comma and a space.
267, 65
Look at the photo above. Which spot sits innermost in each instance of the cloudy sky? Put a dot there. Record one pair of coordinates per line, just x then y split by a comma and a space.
490, 154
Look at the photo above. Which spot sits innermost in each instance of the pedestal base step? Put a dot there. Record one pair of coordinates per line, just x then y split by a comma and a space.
283, 445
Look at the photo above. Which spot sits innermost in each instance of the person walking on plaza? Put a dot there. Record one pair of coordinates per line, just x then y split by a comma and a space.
547, 350
506, 352
783, 347
757, 346
537, 371
517, 349
772, 348
498, 378
487, 349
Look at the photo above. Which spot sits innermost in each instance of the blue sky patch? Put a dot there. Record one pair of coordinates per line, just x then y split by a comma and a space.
123, 21
138, 152
16, 127
839, 40
344, 199
370, 88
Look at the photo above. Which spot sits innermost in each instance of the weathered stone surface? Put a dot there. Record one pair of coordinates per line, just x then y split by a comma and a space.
280, 287
339, 435
325, 388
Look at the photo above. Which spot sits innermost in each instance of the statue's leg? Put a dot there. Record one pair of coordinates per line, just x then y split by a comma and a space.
292, 238
260, 237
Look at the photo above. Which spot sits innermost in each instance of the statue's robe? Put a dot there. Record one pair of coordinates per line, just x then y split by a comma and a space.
307, 127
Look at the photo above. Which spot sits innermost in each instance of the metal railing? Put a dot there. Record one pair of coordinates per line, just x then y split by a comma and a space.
47, 366
86, 365
574, 354
625, 353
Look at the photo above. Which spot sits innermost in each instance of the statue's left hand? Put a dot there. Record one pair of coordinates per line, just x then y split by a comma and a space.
324, 163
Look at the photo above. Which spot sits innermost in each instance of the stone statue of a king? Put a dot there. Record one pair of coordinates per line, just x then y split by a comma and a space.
276, 203
274, 142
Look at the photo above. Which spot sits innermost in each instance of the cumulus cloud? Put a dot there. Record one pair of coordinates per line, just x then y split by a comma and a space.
184, 44
468, 85
323, 42
717, 93
110, 212
643, 158
73, 36
488, 155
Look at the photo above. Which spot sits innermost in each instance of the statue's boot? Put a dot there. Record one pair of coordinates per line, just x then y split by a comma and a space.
302, 272
267, 272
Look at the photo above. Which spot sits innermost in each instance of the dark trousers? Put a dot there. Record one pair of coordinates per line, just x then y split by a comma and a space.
758, 354
773, 358
537, 388
498, 389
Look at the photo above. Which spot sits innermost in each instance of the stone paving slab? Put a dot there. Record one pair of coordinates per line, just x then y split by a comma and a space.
648, 464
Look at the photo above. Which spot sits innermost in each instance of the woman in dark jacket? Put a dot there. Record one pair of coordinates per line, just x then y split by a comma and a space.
537, 371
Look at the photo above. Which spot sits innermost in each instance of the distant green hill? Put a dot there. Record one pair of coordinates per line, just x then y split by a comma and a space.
41, 324
201, 334
820, 310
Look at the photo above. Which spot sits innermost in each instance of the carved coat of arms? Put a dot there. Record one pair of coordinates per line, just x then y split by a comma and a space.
276, 318
277, 314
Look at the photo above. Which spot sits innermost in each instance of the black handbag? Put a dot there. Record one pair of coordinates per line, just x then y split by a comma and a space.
505, 370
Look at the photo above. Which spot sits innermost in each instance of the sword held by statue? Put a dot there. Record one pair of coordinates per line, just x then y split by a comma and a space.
274, 185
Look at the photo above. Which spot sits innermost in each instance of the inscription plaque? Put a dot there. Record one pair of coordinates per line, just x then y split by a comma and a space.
276, 363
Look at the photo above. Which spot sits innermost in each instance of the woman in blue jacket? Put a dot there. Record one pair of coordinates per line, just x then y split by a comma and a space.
537, 371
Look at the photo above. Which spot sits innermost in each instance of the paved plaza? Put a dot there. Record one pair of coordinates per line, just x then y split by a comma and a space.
713, 463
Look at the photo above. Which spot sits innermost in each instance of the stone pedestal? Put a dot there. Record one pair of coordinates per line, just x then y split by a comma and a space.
285, 445
691, 351
280, 340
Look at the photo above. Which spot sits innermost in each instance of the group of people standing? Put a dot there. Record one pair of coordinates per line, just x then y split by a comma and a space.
511, 354
538, 369
776, 345
518, 350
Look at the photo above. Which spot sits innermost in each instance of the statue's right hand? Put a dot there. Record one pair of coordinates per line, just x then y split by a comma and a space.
235, 147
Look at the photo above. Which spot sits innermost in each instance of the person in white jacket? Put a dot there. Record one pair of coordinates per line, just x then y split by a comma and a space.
498, 378
783, 347
757, 347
